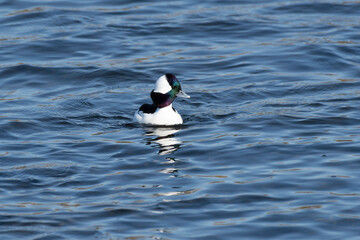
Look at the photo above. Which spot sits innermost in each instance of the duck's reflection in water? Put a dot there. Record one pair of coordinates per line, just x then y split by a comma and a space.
164, 138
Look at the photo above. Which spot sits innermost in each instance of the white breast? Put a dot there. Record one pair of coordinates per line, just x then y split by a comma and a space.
162, 116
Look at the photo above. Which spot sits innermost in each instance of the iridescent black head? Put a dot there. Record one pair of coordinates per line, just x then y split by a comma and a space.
167, 88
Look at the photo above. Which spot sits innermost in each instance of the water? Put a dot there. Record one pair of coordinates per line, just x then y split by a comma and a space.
270, 142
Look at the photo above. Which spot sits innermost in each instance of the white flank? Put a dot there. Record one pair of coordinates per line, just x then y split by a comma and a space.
162, 116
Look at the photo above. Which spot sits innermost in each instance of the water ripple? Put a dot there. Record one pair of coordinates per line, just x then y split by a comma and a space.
268, 148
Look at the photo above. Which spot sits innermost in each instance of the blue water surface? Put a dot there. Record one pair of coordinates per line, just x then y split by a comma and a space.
269, 148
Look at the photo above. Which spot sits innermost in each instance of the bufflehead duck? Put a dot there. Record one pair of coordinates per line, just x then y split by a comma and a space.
161, 112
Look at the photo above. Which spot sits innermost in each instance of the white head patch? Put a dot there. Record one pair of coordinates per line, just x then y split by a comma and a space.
162, 85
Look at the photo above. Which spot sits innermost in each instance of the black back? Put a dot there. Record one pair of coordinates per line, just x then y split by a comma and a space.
148, 108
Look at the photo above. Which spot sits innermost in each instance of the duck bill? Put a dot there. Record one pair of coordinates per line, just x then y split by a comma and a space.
182, 94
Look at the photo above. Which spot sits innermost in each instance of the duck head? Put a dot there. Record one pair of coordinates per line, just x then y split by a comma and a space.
167, 88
